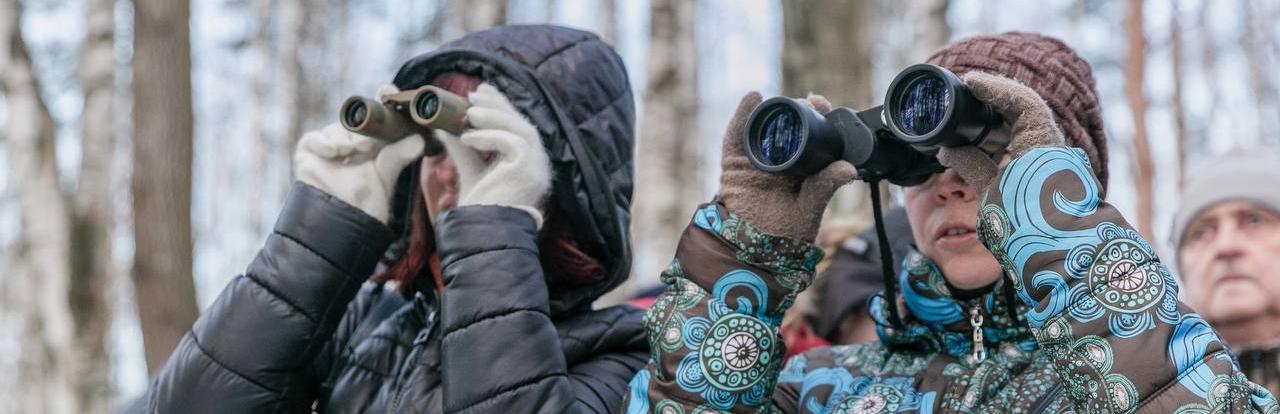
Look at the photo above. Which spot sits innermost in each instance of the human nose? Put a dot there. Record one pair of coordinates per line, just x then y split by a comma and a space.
950, 187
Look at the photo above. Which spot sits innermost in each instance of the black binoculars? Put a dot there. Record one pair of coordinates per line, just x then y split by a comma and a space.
407, 112
926, 107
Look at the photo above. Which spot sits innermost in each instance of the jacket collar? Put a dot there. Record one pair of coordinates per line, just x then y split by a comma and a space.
935, 320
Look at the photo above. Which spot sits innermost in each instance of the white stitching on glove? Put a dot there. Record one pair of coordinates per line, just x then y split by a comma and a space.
518, 175
356, 169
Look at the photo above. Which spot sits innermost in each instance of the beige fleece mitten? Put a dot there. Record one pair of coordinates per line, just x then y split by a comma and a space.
1026, 112
356, 169
780, 205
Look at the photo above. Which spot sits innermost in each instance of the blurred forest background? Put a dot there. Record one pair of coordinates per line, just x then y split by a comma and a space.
146, 143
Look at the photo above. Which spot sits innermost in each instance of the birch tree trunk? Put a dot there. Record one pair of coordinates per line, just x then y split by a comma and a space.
931, 28
39, 282
162, 120
466, 16
293, 16
668, 174
92, 267
609, 21
1134, 76
1179, 108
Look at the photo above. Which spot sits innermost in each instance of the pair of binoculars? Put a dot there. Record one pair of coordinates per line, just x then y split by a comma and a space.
399, 115
926, 107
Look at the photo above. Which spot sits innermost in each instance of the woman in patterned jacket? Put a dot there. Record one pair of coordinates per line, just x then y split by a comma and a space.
1050, 303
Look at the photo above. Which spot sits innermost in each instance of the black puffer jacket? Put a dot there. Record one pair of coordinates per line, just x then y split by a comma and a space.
298, 332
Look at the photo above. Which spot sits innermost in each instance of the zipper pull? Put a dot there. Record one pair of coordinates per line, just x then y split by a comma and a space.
975, 321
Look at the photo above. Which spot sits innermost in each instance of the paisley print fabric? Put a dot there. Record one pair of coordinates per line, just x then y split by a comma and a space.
1097, 326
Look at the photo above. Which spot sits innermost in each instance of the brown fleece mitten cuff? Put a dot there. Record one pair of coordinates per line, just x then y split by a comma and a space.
776, 204
1023, 108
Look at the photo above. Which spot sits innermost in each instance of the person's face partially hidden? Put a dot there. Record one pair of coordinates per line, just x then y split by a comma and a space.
1230, 262
944, 214
438, 180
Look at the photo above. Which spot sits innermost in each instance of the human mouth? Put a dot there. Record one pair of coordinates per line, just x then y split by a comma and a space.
955, 236
1234, 277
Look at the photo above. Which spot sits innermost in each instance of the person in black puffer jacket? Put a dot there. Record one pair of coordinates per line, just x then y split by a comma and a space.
486, 257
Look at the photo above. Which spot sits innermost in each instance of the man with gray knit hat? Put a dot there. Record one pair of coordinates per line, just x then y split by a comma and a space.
1227, 231
1029, 293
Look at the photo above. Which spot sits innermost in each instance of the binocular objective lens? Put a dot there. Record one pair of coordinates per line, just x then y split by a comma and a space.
923, 105
427, 105
356, 114
782, 136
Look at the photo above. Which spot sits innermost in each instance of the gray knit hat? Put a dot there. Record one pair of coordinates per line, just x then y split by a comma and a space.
1252, 175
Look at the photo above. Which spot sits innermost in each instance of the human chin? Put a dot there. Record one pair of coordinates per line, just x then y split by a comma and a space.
1236, 301
970, 269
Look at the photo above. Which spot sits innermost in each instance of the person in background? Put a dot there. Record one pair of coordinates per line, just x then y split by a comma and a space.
853, 277
1227, 233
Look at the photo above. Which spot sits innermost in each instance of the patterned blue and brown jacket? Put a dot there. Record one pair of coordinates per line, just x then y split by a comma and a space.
1096, 324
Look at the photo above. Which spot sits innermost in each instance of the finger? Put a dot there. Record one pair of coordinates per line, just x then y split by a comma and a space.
489, 118
316, 144
816, 190
1007, 96
330, 142
394, 157
465, 159
361, 144
732, 145
1032, 119
505, 144
386, 90
974, 166
488, 96
819, 103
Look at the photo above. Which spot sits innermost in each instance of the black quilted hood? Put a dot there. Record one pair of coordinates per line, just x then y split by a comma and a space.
574, 88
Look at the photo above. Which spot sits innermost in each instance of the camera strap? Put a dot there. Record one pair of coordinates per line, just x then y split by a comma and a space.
886, 256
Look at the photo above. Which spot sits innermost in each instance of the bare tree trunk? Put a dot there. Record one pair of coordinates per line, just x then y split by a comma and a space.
609, 21
669, 149
1134, 76
468, 16
91, 262
1179, 109
293, 16
41, 278
931, 28
1255, 50
552, 10
1209, 69
162, 120
827, 51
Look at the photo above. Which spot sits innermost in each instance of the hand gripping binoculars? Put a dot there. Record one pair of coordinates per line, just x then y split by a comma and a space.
926, 107
415, 111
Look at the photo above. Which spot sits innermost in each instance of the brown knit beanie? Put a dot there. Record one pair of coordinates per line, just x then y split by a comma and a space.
1049, 67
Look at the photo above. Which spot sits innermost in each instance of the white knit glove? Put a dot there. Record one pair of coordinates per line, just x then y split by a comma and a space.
518, 174
356, 169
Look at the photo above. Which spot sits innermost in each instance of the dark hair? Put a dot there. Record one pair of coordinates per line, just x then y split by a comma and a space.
563, 261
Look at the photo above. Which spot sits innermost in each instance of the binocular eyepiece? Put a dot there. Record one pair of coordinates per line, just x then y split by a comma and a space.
407, 112
926, 107
930, 107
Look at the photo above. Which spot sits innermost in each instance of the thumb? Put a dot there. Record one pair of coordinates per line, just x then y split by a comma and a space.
974, 166
394, 157
817, 190
732, 145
